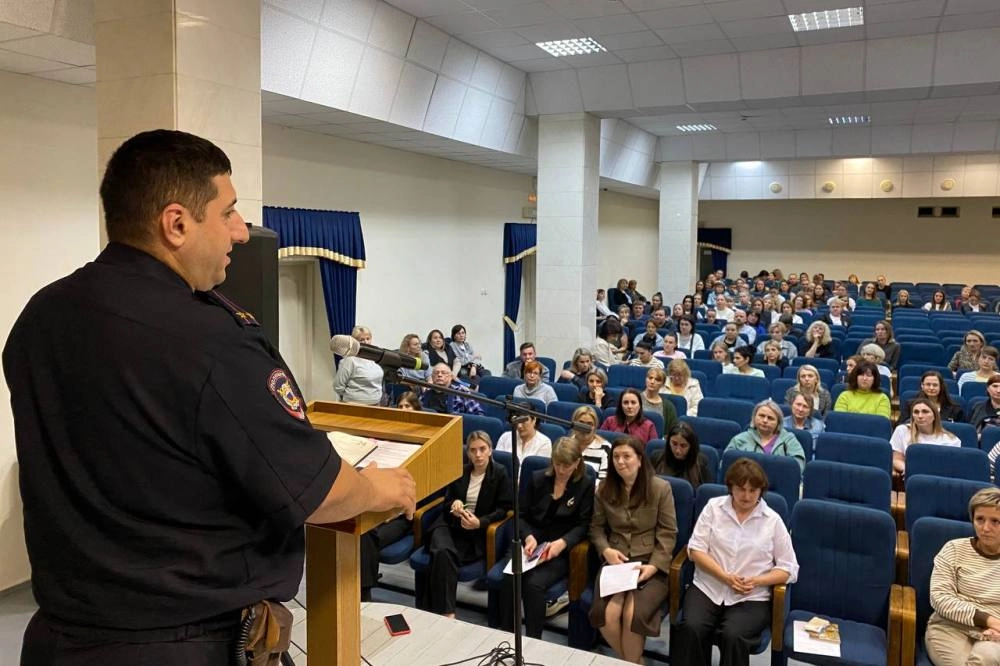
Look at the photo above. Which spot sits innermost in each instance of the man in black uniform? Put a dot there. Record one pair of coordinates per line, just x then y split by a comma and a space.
166, 462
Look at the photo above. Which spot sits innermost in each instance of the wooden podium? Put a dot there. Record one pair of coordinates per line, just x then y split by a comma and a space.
333, 581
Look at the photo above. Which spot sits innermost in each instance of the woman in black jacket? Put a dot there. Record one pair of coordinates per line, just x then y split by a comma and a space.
555, 516
480, 497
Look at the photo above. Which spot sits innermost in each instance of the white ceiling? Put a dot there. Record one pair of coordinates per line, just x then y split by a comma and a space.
45, 55
646, 30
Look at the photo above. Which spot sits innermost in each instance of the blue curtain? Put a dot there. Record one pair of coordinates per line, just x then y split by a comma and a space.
720, 241
519, 241
335, 238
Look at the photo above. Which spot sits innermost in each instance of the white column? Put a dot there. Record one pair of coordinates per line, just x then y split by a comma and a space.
569, 147
678, 248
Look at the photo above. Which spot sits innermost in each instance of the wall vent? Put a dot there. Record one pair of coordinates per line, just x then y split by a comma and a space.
945, 211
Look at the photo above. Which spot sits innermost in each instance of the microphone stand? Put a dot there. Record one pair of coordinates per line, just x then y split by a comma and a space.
516, 413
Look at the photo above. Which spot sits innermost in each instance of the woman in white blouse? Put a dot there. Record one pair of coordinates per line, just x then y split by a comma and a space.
680, 382
924, 428
530, 442
740, 549
687, 339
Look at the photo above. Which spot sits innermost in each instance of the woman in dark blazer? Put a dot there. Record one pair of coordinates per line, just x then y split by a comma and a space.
555, 510
634, 521
480, 497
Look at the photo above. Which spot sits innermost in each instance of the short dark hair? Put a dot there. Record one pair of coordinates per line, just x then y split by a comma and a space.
526, 345
456, 328
642, 344
864, 367
746, 470
152, 170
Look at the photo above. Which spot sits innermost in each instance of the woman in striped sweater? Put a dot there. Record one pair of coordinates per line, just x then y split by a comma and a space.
965, 591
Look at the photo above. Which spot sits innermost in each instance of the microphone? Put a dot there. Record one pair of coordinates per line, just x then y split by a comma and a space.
345, 345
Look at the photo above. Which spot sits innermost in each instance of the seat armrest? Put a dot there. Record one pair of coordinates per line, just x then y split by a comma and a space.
492, 547
676, 567
779, 594
908, 627
898, 509
902, 621
419, 516
902, 558
578, 569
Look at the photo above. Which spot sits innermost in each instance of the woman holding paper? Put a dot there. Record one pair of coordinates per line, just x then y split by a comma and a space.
634, 523
555, 515
740, 549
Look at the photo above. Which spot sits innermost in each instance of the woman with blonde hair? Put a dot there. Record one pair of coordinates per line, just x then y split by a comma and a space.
680, 382
924, 428
808, 384
967, 357
411, 347
817, 342
594, 448
358, 380
656, 378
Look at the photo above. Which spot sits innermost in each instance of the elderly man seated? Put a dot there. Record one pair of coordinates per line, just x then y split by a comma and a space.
441, 375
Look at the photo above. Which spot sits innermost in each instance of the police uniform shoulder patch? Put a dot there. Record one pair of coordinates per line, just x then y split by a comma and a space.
243, 317
281, 387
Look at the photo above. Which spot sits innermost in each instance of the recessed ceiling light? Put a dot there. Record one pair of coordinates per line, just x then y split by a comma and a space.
707, 127
850, 120
566, 47
827, 20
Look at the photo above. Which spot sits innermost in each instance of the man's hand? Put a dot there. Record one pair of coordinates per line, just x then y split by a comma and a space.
392, 488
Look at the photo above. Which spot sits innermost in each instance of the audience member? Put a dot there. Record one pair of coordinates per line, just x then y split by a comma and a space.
578, 369
967, 357
986, 365
436, 401
730, 598
836, 316
840, 294
555, 515
687, 339
777, 331
730, 337
649, 336
721, 354
742, 358
634, 521
656, 378
722, 309
530, 442
772, 355
409, 401
872, 353
682, 457
766, 435
817, 343
482, 495
669, 351
903, 300
410, 346
965, 591
595, 393
533, 386
924, 427
619, 295
868, 298
863, 395
975, 303
744, 329
644, 357
438, 351
515, 369
470, 364
358, 380
939, 301
680, 382
629, 419
933, 388
884, 339
802, 417
595, 449
607, 348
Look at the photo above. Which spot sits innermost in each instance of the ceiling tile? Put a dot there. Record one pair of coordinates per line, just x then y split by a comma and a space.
650, 5
710, 47
75, 75
55, 48
647, 54
902, 28
522, 52
522, 15
457, 24
803, 6
11, 31
764, 42
854, 33
676, 18
547, 64
610, 25
551, 31
494, 38
26, 64
694, 33
912, 9
592, 59
969, 21
496, 4
737, 10
775, 25
578, 9
969, 6
631, 40
425, 8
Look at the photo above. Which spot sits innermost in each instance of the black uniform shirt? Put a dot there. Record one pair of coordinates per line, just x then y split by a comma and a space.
166, 462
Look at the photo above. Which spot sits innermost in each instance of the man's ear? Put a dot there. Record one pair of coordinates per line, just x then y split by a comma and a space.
172, 225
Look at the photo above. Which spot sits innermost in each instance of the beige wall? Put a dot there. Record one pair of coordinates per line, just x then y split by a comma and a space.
866, 237
628, 231
49, 227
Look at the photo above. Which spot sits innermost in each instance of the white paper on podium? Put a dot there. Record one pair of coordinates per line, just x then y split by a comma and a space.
808, 645
617, 578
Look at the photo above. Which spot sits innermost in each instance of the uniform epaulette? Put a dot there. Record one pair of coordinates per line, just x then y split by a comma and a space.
242, 317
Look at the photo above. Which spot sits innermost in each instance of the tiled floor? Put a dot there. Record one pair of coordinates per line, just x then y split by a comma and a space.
17, 606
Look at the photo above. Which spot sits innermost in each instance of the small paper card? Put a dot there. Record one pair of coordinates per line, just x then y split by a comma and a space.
617, 578
807, 644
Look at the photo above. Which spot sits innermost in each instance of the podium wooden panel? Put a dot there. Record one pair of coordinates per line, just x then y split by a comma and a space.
333, 581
